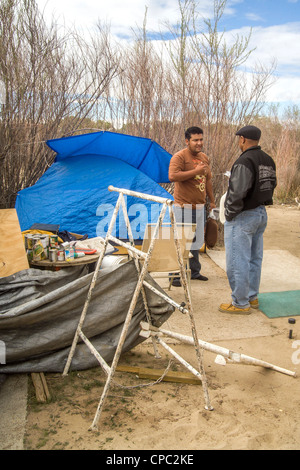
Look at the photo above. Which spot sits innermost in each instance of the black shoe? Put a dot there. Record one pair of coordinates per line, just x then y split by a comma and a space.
176, 282
199, 277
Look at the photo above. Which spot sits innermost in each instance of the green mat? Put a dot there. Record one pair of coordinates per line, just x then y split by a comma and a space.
280, 304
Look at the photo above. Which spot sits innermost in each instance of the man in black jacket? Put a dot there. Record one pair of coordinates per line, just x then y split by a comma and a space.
251, 186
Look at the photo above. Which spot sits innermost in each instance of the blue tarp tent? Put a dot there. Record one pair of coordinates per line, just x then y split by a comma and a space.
73, 191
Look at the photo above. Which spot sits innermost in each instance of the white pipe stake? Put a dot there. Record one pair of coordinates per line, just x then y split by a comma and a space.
227, 353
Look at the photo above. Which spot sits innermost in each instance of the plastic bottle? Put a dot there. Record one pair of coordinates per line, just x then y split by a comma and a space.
69, 251
72, 252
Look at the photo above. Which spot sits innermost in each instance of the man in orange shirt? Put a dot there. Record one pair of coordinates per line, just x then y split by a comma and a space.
190, 171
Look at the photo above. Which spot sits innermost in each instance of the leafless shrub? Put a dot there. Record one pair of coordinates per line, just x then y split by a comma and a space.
217, 93
58, 82
281, 139
48, 75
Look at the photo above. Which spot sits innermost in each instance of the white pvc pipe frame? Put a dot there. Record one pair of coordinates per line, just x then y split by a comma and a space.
167, 203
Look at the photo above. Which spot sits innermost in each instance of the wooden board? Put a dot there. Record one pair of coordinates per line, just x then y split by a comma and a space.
41, 388
155, 374
13, 256
164, 255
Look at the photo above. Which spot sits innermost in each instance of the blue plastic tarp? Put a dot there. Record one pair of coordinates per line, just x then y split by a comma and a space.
144, 154
73, 192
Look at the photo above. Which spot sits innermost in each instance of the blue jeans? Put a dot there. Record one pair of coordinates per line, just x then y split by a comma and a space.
243, 238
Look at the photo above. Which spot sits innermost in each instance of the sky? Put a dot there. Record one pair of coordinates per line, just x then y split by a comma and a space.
275, 28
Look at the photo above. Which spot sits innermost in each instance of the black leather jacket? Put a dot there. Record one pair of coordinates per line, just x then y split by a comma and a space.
252, 182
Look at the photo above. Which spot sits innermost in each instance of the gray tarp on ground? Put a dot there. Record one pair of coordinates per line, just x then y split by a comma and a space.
40, 311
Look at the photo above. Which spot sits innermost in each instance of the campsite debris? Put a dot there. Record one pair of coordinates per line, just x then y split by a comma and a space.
53, 254
291, 321
50, 247
69, 251
38, 251
45, 241
29, 255
29, 241
41, 388
53, 241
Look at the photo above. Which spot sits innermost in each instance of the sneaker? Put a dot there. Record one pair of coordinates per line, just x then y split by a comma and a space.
176, 282
254, 303
199, 277
229, 308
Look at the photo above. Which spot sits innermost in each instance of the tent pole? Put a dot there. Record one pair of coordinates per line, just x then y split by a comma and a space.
190, 309
180, 359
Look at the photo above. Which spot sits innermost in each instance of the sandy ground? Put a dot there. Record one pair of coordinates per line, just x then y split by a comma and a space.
253, 407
